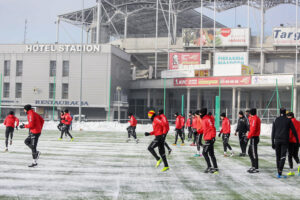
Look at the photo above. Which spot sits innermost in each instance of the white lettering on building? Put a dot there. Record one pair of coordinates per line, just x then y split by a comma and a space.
63, 48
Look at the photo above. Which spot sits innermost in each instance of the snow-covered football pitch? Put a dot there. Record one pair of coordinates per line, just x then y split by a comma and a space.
103, 166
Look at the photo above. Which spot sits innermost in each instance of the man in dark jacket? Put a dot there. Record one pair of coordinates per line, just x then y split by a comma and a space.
280, 139
242, 128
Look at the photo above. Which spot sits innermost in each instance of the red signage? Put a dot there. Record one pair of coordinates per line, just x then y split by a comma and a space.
184, 61
213, 81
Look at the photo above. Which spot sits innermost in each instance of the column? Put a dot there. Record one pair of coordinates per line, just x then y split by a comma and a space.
233, 104
247, 100
57, 30
262, 28
125, 27
148, 98
199, 100
239, 100
188, 101
99, 16
295, 101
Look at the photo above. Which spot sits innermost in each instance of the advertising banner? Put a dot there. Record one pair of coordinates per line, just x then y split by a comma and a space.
230, 58
212, 81
223, 37
186, 61
286, 36
271, 79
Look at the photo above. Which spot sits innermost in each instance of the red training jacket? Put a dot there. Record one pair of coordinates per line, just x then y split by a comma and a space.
178, 124
182, 121
194, 124
255, 124
199, 125
212, 119
10, 121
166, 126
35, 122
209, 129
297, 127
188, 122
225, 126
62, 118
68, 119
158, 126
132, 121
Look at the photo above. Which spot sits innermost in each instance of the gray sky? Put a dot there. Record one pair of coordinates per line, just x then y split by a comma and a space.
41, 15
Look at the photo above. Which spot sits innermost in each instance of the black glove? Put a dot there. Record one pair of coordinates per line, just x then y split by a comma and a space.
245, 139
273, 146
16, 127
22, 126
220, 134
147, 134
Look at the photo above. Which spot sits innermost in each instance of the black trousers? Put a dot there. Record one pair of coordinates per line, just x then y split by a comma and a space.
190, 135
179, 132
243, 142
225, 138
199, 141
32, 141
293, 153
131, 131
65, 129
183, 133
59, 126
9, 131
166, 144
281, 150
209, 153
159, 142
195, 135
252, 151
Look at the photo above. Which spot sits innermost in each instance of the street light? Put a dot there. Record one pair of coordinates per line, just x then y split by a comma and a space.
119, 102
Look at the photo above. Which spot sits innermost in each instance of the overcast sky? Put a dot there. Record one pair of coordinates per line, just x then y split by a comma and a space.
41, 15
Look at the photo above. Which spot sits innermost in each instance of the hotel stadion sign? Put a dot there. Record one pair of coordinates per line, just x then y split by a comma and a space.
63, 48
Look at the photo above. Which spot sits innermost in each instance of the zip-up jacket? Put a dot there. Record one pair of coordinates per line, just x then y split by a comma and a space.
296, 124
281, 130
178, 124
182, 120
166, 126
194, 124
209, 130
242, 126
132, 121
157, 126
11, 120
254, 129
35, 122
189, 122
225, 126
199, 125
68, 119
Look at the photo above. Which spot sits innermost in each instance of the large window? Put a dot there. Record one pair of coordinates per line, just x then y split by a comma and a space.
51, 90
6, 90
65, 91
6, 67
65, 69
19, 68
52, 68
18, 90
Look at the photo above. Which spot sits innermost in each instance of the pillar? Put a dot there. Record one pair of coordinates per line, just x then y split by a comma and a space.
199, 100
57, 30
233, 104
295, 102
239, 100
148, 98
262, 29
99, 14
247, 100
125, 27
188, 101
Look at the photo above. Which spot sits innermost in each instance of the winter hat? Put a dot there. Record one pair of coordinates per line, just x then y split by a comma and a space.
66, 111
291, 114
223, 115
151, 113
130, 114
203, 111
253, 111
282, 111
161, 111
27, 107
176, 114
11, 113
241, 113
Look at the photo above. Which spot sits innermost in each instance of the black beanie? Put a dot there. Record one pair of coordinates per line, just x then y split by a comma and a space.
253, 111
282, 111
11, 113
66, 111
27, 107
203, 111
223, 115
161, 111
241, 113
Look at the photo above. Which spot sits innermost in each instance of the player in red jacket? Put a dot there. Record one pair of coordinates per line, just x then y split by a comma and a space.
132, 127
209, 135
178, 129
35, 126
10, 122
189, 124
182, 119
293, 148
226, 134
67, 123
61, 119
253, 136
159, 141
166, 128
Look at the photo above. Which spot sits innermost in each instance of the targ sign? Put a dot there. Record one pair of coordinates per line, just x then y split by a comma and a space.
223, 37
271, 79
61, 103
230, 58
212, 81
186, 61
286, 36
67, 48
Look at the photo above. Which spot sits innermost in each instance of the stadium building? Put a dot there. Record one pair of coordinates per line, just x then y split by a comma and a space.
153, 54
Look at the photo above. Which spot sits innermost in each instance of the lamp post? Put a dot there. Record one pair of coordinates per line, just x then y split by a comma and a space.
119, 102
